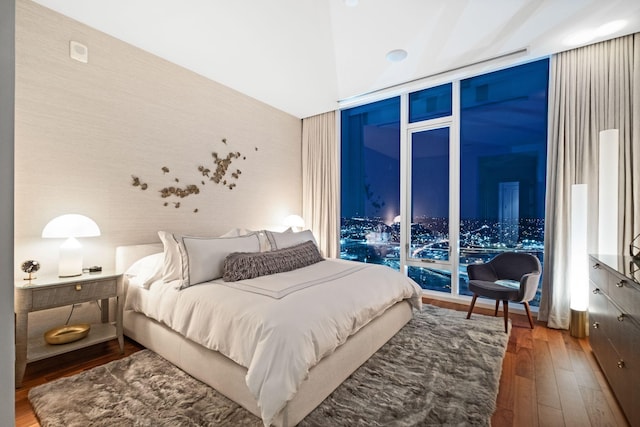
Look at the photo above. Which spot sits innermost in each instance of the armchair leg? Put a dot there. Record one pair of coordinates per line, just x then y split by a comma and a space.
526, 307
495, 313
473, 302
505, 307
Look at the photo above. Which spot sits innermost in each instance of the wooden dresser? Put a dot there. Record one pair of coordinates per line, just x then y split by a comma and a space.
614, 331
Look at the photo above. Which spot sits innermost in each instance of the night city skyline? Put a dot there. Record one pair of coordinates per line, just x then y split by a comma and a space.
501, 167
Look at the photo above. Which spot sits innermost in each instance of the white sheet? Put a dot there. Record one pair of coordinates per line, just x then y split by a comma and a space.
277, 340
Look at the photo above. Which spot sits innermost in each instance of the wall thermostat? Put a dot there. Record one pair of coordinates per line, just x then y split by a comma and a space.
78, 51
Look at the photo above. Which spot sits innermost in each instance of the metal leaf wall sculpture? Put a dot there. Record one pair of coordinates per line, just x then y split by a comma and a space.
218, 173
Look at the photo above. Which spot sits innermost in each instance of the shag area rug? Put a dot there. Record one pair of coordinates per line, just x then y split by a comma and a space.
440, 369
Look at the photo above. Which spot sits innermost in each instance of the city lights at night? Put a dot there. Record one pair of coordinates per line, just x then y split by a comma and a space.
500, 161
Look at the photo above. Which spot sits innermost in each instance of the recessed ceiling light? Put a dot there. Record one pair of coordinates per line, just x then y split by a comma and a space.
351, 3
611, 27
578, 38
396, 55
585, 36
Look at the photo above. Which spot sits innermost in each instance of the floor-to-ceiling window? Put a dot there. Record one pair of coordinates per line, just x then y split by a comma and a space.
503, 144
370, 183
471, 176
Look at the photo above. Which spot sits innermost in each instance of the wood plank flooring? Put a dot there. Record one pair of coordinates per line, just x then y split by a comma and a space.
548, 378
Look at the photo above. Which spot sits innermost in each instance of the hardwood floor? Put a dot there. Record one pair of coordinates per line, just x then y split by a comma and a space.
548, 378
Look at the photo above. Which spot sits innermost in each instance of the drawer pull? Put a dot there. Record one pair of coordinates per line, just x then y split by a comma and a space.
620, 364
78, 287
621, 317
596, 291
620, 284
596, 325
596, 266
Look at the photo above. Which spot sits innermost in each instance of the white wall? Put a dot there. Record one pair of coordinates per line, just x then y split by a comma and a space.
82, 131
7, 346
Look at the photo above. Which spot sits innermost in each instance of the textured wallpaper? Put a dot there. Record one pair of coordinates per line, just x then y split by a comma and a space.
111, 137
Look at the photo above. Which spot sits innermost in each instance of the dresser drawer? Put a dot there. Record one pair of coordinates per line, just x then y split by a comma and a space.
599, 275
598, 308
621, 376
73, 293
598, 338
625, 338
626, 295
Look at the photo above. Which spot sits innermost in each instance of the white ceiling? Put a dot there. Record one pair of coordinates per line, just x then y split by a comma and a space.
303, 56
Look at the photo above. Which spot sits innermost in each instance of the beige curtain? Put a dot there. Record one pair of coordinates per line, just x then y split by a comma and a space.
591, 89
630, 187
320, 180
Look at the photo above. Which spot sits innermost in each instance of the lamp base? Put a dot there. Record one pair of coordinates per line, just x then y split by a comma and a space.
70, 258
70, 275
578, 323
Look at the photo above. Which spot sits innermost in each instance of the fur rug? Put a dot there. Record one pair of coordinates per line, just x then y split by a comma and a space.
440, 369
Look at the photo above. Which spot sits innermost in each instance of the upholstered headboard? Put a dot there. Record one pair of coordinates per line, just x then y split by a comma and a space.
127, 255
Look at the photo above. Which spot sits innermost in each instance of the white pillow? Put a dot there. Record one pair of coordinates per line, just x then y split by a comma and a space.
265, 246
146, 270
235, 232
203, 257
262, 236
287, 239
172, 266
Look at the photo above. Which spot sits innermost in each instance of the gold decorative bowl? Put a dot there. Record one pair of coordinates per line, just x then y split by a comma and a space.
67, 334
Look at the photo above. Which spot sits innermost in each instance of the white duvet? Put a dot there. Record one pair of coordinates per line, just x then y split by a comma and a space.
278, 339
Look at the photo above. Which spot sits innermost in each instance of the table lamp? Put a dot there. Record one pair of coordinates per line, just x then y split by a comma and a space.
295, 222
69, 227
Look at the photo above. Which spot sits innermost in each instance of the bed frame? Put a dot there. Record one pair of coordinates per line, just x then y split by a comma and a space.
228, 377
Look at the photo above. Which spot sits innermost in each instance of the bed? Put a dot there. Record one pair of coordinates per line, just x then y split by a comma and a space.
264, 342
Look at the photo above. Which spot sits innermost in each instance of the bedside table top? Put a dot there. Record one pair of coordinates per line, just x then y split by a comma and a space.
43, 281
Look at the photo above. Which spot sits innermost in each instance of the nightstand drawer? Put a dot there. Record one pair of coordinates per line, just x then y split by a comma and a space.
73, 293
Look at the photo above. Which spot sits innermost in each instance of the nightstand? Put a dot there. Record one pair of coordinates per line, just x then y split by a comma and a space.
50, 292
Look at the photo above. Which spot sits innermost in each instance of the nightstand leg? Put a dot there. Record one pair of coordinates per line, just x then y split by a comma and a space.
104, 308
119, 328
119, 314
21, 346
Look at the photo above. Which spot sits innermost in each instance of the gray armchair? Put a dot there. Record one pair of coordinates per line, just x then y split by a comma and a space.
521, 269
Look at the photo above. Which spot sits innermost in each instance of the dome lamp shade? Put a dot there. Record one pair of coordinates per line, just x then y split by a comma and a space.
69, 227
295, 222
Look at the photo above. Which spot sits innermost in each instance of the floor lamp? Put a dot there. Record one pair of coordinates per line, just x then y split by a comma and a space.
607, 227
608, 193
579, 266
